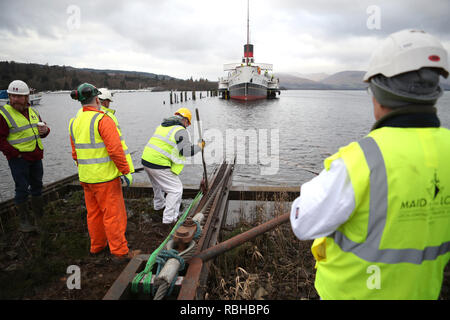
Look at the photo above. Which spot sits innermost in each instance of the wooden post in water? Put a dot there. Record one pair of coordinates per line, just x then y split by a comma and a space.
181, 96
193, 95
185, 96
171, 101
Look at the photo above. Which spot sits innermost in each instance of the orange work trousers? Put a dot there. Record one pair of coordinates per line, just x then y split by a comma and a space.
106, 216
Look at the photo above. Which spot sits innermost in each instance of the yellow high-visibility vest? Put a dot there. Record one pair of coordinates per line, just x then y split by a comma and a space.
162, 149
23, 132
108, 110
396, 243
94, 163
110, 113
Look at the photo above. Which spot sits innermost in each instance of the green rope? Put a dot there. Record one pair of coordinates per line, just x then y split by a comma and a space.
151, 261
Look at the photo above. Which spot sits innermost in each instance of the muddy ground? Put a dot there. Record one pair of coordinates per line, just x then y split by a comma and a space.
34, 266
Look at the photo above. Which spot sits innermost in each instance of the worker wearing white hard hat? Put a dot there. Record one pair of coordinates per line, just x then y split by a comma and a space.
21, 131
379, 211
105, 99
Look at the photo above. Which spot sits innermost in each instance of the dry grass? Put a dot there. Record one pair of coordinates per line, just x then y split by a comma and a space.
275, 265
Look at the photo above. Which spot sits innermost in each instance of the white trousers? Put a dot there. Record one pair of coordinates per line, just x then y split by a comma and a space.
165, 181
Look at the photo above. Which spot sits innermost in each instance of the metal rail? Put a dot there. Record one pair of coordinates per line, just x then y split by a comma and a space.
211, 205
216, 216
192, 280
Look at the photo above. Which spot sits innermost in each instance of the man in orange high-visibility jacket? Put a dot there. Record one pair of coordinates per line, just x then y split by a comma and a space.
99, 154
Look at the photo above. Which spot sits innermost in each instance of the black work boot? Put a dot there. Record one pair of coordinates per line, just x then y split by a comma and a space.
24, 214
37, 205
157, 215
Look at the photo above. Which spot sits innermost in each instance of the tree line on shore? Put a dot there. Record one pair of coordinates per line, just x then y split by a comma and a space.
54, 78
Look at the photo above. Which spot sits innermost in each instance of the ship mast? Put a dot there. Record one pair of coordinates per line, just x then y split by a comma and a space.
248, 48
248, 28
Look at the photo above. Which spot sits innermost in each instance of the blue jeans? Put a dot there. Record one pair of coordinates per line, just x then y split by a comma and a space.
27, 176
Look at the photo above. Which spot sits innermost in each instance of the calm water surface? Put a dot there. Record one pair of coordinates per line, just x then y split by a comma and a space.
297, 130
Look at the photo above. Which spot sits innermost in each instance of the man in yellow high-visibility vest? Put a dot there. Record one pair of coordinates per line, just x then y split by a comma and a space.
379, 211
163, 159
21, 131
100, 157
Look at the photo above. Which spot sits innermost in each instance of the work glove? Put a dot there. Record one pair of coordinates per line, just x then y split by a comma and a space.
201, 144
128, 179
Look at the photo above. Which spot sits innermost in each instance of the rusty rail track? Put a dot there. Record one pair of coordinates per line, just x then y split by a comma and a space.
213, 205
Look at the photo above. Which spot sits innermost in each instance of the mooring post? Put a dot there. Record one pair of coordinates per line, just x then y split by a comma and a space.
171, 101
193, 95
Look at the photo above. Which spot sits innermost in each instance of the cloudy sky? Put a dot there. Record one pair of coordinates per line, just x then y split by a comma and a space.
184, 38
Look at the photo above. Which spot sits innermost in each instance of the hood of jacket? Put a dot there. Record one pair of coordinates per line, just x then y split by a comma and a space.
172, 121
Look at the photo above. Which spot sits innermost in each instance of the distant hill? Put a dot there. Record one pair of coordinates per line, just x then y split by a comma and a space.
344, 80
118, 72
53, 78
312, 76
445, 83
292, 82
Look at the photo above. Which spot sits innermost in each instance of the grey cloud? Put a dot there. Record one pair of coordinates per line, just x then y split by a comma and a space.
333, 19
172, 30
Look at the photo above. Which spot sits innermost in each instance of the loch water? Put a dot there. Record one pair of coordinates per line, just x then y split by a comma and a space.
276, 142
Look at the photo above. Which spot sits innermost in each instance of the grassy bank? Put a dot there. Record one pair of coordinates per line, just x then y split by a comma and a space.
275, 265
34, 265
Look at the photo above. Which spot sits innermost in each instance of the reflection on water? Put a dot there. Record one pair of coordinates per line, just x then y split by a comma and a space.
311, 125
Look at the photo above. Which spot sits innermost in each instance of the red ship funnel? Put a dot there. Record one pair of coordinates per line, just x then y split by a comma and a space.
248, 51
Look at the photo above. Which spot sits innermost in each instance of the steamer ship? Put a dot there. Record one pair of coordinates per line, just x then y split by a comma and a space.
246, 80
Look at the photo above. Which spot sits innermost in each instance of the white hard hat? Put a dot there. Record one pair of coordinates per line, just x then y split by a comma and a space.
407, 50
18, 87
105, 94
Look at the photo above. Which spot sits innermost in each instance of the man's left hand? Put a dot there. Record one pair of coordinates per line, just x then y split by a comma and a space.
128, 179
201, 144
